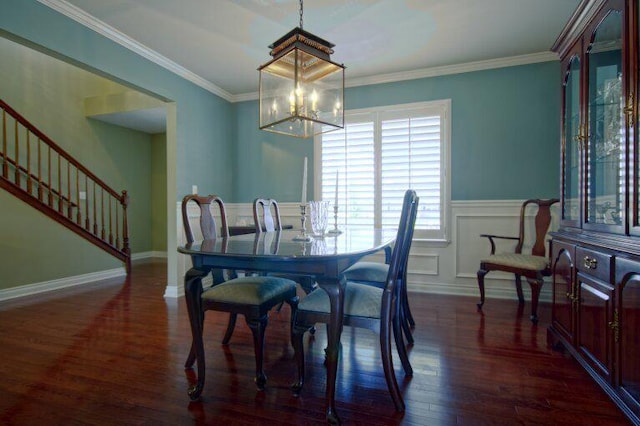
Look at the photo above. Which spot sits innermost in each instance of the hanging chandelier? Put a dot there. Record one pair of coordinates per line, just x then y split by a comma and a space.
301, 90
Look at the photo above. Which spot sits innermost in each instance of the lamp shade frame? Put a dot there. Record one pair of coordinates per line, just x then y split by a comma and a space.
301, 91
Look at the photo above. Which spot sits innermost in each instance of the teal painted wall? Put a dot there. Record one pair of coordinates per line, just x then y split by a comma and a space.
268, 165
505, 130
504, 135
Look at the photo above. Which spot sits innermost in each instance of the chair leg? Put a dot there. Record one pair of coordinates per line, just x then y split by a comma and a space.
230, 327
297, 333
404, 300
481, 273
402, 349
403, 315
387, 365
536, 285
193, 292
191, 358
258, 326
519, 289
405, 306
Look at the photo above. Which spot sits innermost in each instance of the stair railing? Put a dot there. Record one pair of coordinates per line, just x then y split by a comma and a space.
41, 173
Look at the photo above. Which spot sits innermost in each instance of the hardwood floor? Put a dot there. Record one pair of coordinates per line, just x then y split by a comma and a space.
113, 353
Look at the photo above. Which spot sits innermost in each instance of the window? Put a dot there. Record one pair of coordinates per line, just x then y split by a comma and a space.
379, 154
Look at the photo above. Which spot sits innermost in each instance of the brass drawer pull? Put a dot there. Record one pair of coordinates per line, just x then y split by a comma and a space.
590, 262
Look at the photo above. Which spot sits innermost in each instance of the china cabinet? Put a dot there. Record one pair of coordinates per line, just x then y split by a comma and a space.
595, 254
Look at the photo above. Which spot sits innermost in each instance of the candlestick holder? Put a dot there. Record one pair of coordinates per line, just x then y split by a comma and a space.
303, 236
335, 230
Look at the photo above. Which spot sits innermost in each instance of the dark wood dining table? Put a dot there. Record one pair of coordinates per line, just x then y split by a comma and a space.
325, 258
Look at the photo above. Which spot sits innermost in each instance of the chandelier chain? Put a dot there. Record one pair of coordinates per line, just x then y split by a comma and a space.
301, 10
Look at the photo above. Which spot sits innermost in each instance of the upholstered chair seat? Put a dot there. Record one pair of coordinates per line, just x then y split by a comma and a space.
251, 291
359, 301
371, 272
522, 261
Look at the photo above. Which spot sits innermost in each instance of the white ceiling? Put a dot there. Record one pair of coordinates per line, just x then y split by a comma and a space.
223, 42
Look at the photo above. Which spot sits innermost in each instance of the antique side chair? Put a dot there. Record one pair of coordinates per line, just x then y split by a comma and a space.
534, 266
252, 297
366, 306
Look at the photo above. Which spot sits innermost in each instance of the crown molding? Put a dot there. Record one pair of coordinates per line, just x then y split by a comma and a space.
455, 69
104, 29
434, 71
113, 34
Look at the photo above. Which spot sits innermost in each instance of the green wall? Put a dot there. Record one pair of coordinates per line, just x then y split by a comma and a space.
504, 135
50, 94
204, 127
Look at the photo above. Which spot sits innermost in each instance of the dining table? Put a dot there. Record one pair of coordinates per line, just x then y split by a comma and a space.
292, 252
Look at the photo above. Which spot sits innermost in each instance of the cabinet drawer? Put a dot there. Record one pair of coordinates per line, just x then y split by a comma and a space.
594, 263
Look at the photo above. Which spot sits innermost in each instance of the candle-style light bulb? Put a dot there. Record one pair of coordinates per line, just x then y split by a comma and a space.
292, 103
314, 101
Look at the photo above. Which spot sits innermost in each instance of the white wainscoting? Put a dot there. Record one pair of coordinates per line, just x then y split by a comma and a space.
432, 268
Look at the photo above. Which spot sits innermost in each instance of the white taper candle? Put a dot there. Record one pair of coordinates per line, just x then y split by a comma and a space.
337, 178
304, 182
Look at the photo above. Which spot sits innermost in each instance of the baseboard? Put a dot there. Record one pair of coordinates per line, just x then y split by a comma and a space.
45, 286
471, 290
174, 292
148, 255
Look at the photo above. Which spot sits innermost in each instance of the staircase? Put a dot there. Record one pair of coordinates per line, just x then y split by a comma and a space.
42, 174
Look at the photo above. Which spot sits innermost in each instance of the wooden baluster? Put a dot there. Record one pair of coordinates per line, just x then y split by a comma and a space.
87, 224
17, 171
117, 228
5, 160
78, 214
95, 212
59, 183
125, 230
39, 170
49, 181
110, 221
29, 184
69, 204
102, 208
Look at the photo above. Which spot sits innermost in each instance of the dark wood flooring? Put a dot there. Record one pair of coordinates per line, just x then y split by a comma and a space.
112, 353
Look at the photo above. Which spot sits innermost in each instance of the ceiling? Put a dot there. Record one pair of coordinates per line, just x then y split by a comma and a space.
221, 43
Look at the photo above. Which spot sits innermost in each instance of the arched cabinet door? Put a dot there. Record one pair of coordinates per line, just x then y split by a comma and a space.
626, 329
564, 290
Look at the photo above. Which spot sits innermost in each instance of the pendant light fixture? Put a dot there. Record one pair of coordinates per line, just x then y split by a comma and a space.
301, 89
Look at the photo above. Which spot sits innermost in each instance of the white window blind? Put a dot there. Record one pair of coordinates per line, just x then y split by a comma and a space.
379, 154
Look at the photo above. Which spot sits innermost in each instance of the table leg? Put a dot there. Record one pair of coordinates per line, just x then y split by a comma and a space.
335, 289
193, 292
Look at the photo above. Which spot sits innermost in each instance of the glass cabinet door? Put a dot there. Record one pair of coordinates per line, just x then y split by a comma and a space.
605, 165
633, 115
571, 144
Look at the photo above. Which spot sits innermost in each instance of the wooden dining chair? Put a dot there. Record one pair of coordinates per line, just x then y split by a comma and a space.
366, 306
375, 274
534, 266
252, 297
266, 217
